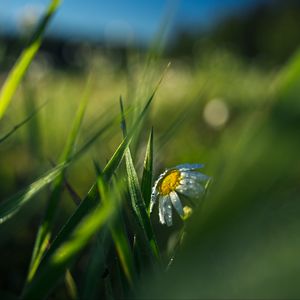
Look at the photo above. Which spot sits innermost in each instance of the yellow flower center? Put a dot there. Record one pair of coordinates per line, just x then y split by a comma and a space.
170, 182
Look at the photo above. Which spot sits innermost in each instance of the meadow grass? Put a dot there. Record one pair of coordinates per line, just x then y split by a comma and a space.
242, 121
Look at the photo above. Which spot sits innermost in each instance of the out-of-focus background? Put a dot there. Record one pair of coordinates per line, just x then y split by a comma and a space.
229, 100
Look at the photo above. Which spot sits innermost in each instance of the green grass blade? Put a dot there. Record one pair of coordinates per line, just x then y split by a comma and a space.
289, 75
71, 286
53, 270
160, 38
118, 155
287, 89
136, 196
44, 232
73, 194
18, 71
119, 236
123, 121
91, 200
13, 204
138, 204
109, 294
33, 130
146, 185
19, 125
120, 285
97, 265
72, 138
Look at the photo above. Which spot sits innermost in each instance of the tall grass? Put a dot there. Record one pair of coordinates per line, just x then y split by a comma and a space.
241, 242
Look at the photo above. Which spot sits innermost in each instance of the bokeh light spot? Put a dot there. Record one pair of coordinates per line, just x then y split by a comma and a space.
216, 113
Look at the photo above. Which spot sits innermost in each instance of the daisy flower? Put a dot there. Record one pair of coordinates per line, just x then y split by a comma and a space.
180, 180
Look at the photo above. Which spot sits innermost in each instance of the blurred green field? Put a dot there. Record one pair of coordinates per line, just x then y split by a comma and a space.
240, 119
184, 94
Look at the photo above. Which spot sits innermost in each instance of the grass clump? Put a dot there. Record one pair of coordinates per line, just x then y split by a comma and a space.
107, 243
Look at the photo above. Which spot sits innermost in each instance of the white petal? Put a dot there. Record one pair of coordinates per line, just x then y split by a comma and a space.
168, 211
192, 191
176, 203
155, 192
188, 182
161, 210
153, 199
187, 167
194, 175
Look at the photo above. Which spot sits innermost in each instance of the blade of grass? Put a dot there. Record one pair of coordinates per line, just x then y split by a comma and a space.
154, 52
97, 265
44, 232
13, 204
135, 145
71, 286
120, 283
75, 197
138, 203
109, 295
160, 38
286, 108
119, 236
91, 198
19, 125
73, 194
118, 155
50, 273
33, 128
18, 71
136, 196
146, 185
289, 76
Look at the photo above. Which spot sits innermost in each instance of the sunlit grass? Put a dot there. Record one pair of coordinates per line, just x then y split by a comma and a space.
222, 111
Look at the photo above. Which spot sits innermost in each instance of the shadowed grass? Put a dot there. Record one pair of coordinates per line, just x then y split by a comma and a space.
137, 201
44, 232
97, 265
52, 271
12, 205
84, 209
119, 235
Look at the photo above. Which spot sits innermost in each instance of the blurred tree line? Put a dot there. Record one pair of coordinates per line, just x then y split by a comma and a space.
268, 34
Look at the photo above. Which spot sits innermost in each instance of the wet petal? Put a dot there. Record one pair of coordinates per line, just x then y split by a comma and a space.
191, 191
154, 196
187, 167
155, 191
168, 211
194, 175
161, 210
188, 182
176, 203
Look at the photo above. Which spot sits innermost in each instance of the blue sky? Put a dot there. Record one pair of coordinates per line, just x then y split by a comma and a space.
120, 19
